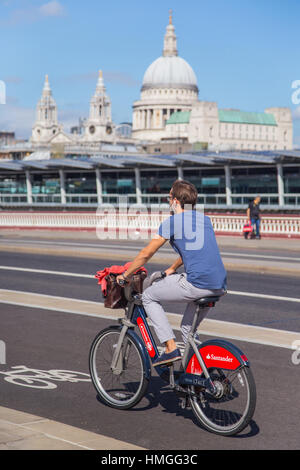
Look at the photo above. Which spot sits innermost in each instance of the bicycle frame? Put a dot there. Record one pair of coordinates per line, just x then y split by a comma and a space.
136, 316
192, 368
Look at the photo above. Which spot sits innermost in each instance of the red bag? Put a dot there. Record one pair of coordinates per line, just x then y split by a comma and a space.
248, 228
113, 293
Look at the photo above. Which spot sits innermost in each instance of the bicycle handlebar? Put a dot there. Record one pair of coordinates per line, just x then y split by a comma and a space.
122, 282
154, 277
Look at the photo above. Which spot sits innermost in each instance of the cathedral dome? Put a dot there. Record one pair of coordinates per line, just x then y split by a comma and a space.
170, 72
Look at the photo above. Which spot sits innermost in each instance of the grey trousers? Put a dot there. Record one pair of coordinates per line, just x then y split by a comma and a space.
174, 288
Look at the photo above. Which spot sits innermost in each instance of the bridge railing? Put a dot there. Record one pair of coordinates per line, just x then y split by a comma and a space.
140, 221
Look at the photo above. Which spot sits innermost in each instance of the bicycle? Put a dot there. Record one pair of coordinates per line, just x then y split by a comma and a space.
214, 378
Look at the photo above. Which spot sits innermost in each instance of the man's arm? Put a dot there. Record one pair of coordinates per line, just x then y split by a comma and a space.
145, 254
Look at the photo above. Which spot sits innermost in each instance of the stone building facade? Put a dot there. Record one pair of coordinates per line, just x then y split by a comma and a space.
169, 110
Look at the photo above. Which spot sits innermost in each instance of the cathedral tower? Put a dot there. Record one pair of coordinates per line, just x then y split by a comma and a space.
46, 125
99, 126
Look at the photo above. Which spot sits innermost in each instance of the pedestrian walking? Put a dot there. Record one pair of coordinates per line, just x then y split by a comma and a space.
253, 215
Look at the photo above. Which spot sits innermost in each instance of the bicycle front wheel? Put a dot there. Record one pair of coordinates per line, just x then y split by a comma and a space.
230, 410
122, 388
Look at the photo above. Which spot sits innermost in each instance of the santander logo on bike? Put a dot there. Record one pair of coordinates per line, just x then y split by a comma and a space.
219, 358
146, 338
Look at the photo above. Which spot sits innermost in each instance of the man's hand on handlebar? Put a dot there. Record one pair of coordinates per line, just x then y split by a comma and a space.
121, 280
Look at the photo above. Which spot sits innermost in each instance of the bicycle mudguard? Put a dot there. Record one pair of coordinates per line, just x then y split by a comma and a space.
141, 348
218, 354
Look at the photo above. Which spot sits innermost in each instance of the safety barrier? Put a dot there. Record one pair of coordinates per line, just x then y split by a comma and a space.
270, 225
140, 221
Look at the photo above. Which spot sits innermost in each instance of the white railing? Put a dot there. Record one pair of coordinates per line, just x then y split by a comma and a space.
272, 225
140, 221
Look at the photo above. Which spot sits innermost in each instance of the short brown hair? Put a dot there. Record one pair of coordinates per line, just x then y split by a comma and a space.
185, 192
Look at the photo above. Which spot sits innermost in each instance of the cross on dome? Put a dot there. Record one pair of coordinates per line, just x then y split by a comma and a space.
170, 41
46, 89
170, 71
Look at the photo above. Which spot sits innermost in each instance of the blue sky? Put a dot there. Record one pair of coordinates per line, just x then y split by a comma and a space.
245, 53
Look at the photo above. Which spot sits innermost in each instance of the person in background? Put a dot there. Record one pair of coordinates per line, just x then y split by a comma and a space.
253, 214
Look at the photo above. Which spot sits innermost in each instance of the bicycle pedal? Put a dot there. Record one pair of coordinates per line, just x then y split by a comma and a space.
172, 381
185, 403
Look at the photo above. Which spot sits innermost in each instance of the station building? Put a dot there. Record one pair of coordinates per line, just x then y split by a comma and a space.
225, 180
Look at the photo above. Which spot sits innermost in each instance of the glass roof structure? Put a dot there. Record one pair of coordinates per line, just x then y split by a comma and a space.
204, 158
243, 157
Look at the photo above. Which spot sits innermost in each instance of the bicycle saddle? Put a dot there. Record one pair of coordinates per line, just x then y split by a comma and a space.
207, 300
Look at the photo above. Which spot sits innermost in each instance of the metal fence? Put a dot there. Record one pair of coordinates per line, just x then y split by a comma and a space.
268, 200
140, 221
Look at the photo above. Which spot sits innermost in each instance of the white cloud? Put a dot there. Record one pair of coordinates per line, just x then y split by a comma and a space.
52, 8
16, 119
20, 119
109, 76
33, 14
69, 118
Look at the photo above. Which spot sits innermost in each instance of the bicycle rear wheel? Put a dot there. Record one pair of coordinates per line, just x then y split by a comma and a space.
230, 410
124, 388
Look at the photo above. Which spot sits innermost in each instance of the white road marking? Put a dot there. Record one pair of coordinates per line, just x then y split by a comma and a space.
255, 255
46, 271
216, 328
264, 296
92, 276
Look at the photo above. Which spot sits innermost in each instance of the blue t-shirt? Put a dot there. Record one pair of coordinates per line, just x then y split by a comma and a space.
191, 235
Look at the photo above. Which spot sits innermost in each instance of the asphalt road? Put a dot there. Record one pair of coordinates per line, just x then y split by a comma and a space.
241, 309
48, 342
229, 246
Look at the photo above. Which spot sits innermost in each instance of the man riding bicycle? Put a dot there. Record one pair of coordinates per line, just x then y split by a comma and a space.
191, 235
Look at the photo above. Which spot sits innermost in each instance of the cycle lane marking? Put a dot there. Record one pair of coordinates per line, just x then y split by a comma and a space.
210, 327
91, 276
37, 378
